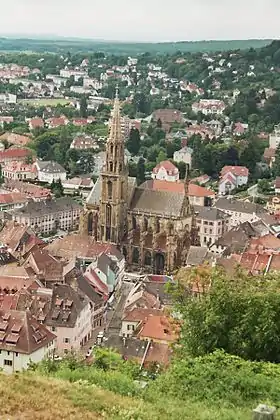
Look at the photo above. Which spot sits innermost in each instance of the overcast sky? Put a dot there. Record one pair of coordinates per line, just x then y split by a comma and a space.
143, 20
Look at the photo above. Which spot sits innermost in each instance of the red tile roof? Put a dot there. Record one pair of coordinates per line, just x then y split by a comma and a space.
12, 198
14, 154
194, 190
159, 327
168, 166
235, 170
22, 333
36, 123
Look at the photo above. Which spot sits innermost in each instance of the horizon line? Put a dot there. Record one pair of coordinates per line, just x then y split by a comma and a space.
51, 37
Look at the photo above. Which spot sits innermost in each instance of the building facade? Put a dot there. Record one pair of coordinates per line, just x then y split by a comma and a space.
153, 229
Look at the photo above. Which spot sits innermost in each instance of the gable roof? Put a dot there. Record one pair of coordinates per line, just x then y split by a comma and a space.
157, 202
177, 187
21, 333
235, 170
168, 166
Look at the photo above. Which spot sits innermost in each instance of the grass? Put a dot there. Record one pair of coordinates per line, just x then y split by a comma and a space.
29, 396
44, 102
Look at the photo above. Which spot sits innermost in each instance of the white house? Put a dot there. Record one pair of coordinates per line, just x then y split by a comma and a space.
184, 155
240, 211
274, 138
8, 98
166, 171
23, 340
232, 177
209, 106
49, 171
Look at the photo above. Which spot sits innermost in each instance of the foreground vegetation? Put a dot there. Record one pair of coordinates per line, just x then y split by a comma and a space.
221, 368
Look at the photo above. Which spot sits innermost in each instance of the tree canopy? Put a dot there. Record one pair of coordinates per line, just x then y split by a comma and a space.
239, 314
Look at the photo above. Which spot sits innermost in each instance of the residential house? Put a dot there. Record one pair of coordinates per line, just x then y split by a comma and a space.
8, 98
34, 123
184, 155
168, 117
212, 224
46, 268
19, 239
97, 301
16, 139
49, 171
241, 211
10, 155
166, 171
64, 311
31, 191
50, 215
209, 106
84, 142
269, 156
55, 122
24, 340
274, 138
20, 171
70, 186
133, 320
201, 130
240, 128
11, 201
232, 177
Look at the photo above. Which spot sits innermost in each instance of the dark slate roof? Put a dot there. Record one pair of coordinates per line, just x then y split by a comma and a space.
39, 208
197, 255
239, 206
66, 306
50, 167
210, 213
237, 238
157, 202
88, 290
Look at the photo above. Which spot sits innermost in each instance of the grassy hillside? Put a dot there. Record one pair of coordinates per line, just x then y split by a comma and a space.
29, 396
80, 45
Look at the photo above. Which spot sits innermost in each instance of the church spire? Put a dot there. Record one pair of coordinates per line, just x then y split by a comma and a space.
115, 133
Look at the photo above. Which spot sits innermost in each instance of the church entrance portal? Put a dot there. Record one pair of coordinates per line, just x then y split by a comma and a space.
159, 263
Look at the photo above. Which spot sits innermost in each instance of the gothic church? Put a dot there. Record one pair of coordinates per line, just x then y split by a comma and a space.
153, 229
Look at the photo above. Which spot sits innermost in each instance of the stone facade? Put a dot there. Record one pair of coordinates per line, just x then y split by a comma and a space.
153, 229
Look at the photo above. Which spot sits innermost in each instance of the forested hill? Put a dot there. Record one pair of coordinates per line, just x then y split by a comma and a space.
81, 45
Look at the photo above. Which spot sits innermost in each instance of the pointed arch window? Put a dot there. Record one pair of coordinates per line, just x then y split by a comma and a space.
108, 214
110, 189
111, 166
135, 256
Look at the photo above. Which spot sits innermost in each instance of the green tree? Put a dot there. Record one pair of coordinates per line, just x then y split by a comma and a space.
83, 107
57, 188
236, 313
133, 142
141, 170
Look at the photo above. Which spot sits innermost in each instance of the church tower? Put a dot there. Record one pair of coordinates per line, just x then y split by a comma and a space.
114, 180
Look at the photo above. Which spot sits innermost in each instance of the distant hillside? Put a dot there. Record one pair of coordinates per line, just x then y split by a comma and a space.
81, 45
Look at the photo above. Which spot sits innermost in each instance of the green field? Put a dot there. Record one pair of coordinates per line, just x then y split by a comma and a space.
44, 102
